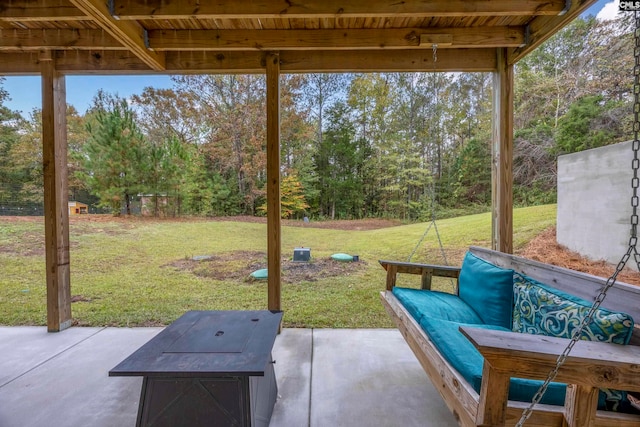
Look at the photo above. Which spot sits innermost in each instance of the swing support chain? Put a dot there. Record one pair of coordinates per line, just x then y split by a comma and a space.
633, 240
433, 223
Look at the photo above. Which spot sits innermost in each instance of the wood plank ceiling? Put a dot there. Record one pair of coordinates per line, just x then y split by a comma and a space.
201, 36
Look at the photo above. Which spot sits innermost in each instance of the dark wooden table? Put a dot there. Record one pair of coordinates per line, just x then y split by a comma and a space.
207, 368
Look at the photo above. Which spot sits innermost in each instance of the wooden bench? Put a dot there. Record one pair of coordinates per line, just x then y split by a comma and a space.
593, 365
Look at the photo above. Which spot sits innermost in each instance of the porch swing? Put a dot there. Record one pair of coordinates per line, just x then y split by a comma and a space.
495, 348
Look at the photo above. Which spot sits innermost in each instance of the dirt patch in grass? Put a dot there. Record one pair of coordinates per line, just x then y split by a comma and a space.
31, 244
82, 224
545, 248
111, 228
349, 224
239, 265
129, 221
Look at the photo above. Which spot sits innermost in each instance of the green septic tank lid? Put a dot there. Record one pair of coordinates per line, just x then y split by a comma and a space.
342, 257
259, 274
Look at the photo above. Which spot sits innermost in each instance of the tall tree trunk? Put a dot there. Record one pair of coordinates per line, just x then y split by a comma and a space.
127, 201
156, 211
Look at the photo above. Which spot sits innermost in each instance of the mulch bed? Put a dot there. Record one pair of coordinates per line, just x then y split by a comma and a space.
238, 266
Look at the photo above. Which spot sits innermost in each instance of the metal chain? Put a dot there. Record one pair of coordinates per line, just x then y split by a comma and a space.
436, 96
633, 240
433, 224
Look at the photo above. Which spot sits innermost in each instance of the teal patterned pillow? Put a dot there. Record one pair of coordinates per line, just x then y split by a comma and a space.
542, 310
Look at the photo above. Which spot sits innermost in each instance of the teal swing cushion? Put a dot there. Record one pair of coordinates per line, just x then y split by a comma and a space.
487, 289
439, 305
464, 357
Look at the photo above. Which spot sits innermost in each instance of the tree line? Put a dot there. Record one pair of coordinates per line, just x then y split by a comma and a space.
395, 145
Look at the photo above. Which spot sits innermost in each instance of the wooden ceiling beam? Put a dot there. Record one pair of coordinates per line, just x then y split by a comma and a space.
130, 34
56, 39
542, 28
19, 64
335, 61
75, 62
39, 10
235, 9
229, 40
418, 60
253, 62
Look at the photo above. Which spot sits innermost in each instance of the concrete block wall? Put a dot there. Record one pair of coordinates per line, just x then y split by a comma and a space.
594, 202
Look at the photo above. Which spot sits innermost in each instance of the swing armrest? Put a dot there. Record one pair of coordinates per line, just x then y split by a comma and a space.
590, 365
427, 271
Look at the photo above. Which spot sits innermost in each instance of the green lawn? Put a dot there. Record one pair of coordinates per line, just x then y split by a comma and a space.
128, 273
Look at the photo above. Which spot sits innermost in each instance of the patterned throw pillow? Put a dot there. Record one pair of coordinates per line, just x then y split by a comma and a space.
542, 310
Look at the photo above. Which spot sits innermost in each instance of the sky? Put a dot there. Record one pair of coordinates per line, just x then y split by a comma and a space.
25, 91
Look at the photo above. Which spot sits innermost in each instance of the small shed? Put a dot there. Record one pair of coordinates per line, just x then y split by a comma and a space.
153, 204
78, 208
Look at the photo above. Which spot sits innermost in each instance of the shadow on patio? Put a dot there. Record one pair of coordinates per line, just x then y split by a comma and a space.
326, 377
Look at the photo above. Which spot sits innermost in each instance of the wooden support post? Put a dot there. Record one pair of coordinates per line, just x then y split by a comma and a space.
502, 156
427, 276
273, 180
581, 404
56, 211
494, 394
392, 272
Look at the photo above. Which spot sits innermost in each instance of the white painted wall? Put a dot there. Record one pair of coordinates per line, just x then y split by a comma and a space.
594, 202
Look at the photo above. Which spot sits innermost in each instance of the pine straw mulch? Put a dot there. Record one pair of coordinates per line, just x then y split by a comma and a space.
545, 248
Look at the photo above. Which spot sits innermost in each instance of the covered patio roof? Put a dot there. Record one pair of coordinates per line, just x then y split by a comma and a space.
55, 38
200, 36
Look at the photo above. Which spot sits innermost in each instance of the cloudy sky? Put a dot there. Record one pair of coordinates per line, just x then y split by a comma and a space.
609, 10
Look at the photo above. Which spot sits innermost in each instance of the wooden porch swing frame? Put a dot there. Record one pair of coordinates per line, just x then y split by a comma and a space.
591, 365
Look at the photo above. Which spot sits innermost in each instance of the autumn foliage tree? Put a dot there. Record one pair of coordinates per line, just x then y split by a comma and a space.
292, 199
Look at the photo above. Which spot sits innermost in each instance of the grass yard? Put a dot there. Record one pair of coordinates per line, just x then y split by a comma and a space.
136, 272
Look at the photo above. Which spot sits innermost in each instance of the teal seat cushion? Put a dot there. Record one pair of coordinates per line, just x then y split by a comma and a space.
465, 359
488, 290
543, 310
439, 305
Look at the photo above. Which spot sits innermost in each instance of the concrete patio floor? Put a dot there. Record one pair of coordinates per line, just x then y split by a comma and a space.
326, 377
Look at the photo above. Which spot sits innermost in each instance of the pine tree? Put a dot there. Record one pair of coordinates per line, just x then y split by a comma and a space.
114, 154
